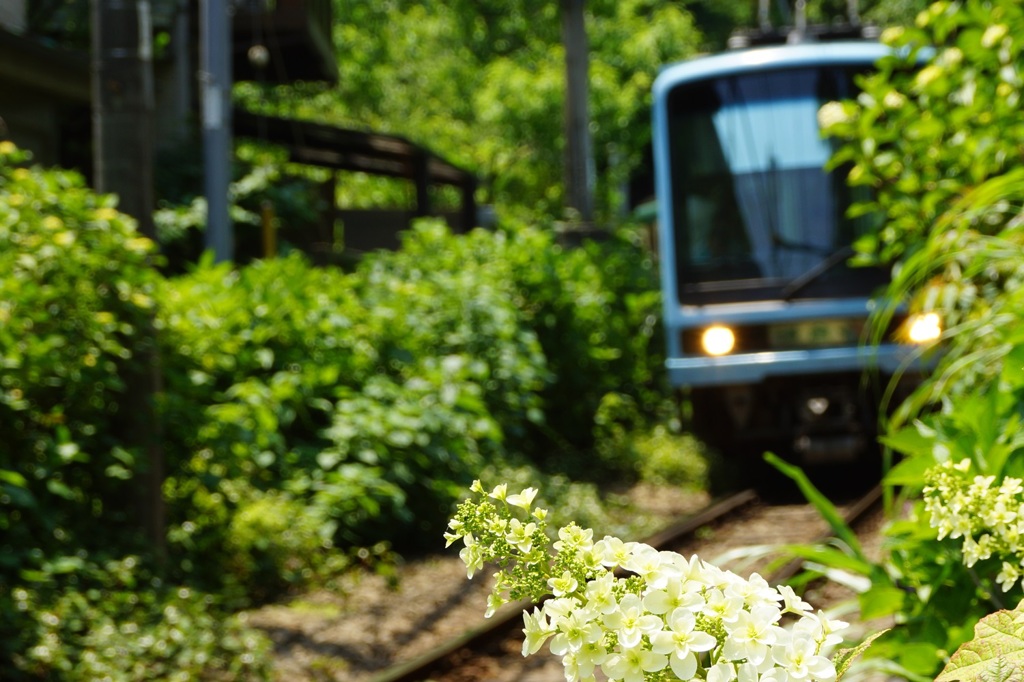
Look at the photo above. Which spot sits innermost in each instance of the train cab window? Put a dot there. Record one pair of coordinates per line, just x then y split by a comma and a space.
750, 196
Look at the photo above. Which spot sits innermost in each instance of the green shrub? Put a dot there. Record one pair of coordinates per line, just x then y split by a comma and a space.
301, 407
940, 148
371, 397
111, 622
447, 296
275, 543
593, 311
670, 458
76, 298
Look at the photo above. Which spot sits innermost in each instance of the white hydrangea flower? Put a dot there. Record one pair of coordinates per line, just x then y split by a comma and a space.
719, 605
575, 539
613, 551
472, 555
676, 594
682, 641
524, 499
752, 635
520, 535
800, 659
821, 629
672, 614
754, 591
600, 594
792, 603
649, 564
721, 672
537, 630
630, 664
630, 622
575, 630
1008, 576
589, 657
563, 585
500, 492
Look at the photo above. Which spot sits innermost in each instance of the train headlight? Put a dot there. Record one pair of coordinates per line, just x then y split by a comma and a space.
924, 327
718, 340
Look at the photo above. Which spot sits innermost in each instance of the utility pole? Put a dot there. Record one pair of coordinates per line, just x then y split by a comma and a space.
123, 108
123, 105
579, 156
215, 83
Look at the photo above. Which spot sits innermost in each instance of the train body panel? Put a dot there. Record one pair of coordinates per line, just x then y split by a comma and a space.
766, 322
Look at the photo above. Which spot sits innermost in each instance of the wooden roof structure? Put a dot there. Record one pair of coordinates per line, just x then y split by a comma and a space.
327, 146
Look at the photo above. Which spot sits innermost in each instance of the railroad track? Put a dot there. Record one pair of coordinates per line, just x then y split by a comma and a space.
492, 651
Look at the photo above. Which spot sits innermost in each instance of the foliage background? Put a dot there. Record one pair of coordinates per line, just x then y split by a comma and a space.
482, 83
354, 401
940, 147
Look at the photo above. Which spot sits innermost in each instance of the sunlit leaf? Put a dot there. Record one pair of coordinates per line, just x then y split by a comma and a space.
996, 654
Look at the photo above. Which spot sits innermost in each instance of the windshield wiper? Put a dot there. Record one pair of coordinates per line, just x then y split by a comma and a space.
782, 243
800, 283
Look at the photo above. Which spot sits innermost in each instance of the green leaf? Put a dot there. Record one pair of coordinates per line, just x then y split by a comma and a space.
881, 600
911, 440
60, 489
119, 472
920, 657
13, 477
909, 471
996, 654
65, 564
830, 557
844, 657
827, 510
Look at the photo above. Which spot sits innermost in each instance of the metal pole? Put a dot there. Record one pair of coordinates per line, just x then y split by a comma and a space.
764, 19
215, 84
579, 161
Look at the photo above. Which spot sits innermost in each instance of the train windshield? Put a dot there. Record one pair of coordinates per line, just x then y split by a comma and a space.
752, 202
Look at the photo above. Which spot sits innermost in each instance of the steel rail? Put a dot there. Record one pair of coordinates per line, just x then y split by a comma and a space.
857, 512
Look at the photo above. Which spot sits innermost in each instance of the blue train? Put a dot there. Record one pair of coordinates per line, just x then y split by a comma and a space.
766, 320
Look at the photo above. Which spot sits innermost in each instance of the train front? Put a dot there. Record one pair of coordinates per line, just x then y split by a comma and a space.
766, 319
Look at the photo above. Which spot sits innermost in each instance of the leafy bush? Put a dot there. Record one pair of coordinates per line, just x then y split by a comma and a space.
76, 297
301, 409
940, 148
274, 543
669, 458
595, 311
114, 623
369, 397
920, 138
77, 293
592, 309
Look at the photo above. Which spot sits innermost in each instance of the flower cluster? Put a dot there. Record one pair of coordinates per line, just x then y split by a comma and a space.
989, 517
636, 613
